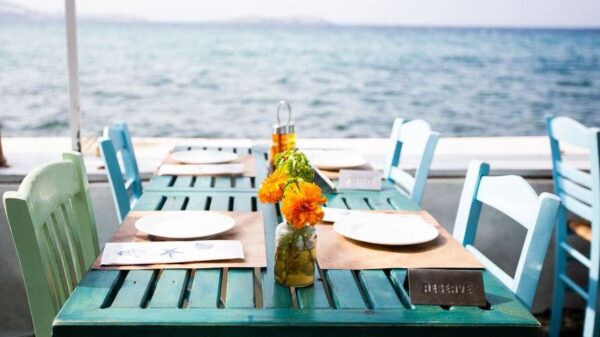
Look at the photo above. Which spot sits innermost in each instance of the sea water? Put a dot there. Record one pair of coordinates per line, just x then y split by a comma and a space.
205, 80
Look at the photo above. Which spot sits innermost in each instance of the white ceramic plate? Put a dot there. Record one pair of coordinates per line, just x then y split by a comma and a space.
335, 159
386, 229
185, 224
203, 157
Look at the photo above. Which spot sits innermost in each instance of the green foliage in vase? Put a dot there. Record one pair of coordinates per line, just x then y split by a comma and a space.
295, 163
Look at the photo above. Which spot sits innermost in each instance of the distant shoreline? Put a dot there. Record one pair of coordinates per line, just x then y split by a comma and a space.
282, 24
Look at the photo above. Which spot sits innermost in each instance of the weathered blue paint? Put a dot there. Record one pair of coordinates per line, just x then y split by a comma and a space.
415, 136
580, 194
125, 182
513, 196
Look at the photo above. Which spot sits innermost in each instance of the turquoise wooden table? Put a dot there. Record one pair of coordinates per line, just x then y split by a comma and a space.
207, 183
246, 302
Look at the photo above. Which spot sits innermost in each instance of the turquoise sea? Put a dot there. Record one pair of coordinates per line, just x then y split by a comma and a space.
225, 80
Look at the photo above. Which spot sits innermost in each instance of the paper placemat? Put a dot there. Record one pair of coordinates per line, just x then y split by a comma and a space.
249, 230
144, 253
248, 160
336, 252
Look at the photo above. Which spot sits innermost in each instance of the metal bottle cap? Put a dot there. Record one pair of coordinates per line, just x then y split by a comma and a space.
280, 128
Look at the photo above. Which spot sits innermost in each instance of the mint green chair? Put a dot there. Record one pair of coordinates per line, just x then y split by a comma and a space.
52, 224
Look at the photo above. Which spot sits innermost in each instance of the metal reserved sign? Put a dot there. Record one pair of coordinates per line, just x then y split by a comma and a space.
446, 287
359, 180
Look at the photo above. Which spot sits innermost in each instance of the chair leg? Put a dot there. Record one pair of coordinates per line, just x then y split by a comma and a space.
591, 325
558, 298
560, 268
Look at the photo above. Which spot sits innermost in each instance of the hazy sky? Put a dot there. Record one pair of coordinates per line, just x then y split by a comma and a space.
385, 12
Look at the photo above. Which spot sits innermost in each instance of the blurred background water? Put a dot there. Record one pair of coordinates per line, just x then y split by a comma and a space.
225, 80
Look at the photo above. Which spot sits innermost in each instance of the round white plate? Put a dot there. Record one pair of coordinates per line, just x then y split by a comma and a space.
335, 159
386, 229
203, 157
184, 224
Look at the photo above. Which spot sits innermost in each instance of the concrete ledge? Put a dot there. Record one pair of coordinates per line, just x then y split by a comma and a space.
525, 156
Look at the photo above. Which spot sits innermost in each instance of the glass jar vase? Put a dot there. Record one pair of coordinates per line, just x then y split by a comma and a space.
295, 255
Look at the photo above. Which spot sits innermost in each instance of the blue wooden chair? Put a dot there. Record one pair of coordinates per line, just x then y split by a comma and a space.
580, 195
514, 197
414, 137
121, 167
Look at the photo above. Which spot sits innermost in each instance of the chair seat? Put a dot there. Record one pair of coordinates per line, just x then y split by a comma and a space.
581, 228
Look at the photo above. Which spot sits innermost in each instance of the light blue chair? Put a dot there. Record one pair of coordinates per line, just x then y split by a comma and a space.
414, 137
514, 197
580, 195
121, 167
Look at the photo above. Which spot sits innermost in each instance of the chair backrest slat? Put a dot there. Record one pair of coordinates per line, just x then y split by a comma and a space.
578, 190
53, 208
568, 172
510, 195
124, 175
514, 197
403, 179
414, 137
577, 207
569, 131
568, 187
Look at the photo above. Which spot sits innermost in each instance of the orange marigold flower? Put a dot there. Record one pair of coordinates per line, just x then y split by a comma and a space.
302, 204
271, 189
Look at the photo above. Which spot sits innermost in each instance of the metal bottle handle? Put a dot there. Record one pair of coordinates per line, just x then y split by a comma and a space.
289, 112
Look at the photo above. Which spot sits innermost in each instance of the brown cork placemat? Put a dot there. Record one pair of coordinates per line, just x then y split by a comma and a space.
337, 252
249, 229
248, 160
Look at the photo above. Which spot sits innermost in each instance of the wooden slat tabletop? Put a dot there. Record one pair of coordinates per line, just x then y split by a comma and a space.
213, 183
247, 302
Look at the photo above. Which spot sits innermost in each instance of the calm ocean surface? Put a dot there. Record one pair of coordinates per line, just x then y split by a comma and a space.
225, 81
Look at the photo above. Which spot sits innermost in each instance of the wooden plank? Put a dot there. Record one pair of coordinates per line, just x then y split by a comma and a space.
345, 293
160, 182
219, 203
149, 202
94, 290
242, 182
205, 289
202, 182
402, 202
313, 297
379, 291
170, 288
223, 182
174, 203
196, 202
270, 323
274, 295
134, 290
243, 203
240, 282
336, 201
379, 203
240, 288
356, 201
183, 181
